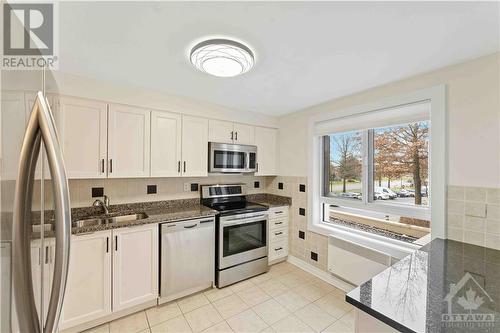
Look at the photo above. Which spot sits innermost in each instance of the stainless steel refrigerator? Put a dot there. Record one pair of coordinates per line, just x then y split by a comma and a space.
35, 219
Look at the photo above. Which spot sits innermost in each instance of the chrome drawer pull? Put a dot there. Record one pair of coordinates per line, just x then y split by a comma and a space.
278, 233
278, 248
278, 222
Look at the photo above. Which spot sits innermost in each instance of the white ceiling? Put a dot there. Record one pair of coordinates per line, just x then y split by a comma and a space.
307, 53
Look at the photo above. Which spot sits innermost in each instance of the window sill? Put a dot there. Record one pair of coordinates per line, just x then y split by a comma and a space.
399, 248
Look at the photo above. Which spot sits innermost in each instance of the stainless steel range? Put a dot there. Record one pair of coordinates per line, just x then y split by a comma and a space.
241, 233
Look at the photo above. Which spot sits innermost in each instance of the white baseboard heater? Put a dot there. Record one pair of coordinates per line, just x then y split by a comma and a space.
355, 262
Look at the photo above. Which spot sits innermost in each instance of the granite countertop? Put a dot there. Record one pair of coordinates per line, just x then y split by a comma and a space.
157, 211
446, 286
155, 215
269, 200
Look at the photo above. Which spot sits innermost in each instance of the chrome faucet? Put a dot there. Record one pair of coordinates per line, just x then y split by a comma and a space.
104, 205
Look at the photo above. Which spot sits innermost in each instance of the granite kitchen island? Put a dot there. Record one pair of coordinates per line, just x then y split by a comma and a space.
446, 286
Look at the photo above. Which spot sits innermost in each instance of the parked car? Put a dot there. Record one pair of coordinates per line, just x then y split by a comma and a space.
404, 193
379, 195
351, 195
388, 191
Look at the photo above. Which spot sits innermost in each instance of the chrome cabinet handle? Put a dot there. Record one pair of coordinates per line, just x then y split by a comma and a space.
278, 233
41, 126
107, 244
110, 165
278, 248
232, 135
179, 167
206, 221
236, 136
184, 166
102, 165
189, 226
278, 223
116, 243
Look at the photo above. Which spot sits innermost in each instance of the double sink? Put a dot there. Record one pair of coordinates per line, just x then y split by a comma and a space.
115, 218
109, 219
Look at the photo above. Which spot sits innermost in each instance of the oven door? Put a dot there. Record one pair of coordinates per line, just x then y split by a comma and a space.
227, 158
242, 238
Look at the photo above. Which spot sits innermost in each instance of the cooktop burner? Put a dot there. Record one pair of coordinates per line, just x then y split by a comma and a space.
229, 199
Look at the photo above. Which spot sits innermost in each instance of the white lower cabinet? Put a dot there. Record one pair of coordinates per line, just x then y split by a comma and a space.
135, 266
88, 288
278, 233
110, 271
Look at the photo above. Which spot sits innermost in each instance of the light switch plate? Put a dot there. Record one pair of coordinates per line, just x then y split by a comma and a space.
187, 187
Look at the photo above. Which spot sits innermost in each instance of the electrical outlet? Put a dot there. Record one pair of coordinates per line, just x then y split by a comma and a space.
187, 187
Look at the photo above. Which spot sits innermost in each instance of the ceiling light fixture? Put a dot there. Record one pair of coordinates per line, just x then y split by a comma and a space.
222, 57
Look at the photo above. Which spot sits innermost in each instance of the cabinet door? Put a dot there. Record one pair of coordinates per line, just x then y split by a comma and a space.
220, 131
166, 144
88, 288
135, 265
266, 140
244, 134
194, 146
13, 125
128, 141
83, 134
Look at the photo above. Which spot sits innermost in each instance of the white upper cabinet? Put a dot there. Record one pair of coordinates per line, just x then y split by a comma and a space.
166, 129
244, 134
88, 288
13, 125
135, 266
83, 133
220, 131
128, 141
266, 141
194, 146
229, 132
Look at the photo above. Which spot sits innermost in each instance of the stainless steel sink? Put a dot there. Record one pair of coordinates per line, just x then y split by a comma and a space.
128, 218
89, 222
109, 220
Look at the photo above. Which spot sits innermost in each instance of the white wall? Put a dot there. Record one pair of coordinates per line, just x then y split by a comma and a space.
473, 121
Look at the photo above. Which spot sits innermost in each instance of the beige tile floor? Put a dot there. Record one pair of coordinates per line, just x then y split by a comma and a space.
286, 299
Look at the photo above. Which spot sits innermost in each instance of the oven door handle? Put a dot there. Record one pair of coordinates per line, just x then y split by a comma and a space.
244, 221
243, 217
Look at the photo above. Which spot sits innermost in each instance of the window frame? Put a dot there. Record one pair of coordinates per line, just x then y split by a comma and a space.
367, 180
438, 165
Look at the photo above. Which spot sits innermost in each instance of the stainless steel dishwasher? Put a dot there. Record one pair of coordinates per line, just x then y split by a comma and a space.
187, 257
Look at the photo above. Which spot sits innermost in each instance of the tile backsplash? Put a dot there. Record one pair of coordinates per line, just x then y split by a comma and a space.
131, 190
474, 215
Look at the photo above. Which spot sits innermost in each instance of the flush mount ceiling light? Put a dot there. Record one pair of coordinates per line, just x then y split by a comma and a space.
222, 57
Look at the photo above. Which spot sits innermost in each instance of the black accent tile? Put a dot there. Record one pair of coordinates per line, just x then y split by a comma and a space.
314, 256
302, 234
97, 192
302, 188
302, 211
194, 187
256, 184
280, 186
151, 189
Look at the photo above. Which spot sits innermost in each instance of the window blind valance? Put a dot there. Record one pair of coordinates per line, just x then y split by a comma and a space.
373, 119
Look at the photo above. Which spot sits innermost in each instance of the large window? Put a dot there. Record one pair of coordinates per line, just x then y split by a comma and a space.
378, 179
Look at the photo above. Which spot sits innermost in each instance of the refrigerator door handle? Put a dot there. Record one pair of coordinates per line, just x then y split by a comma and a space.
41, 127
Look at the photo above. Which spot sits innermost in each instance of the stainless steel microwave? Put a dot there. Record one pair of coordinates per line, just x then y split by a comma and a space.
231, 158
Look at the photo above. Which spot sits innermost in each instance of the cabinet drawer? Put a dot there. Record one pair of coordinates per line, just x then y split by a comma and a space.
278, 234
278, 212
278, 223
278, 250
